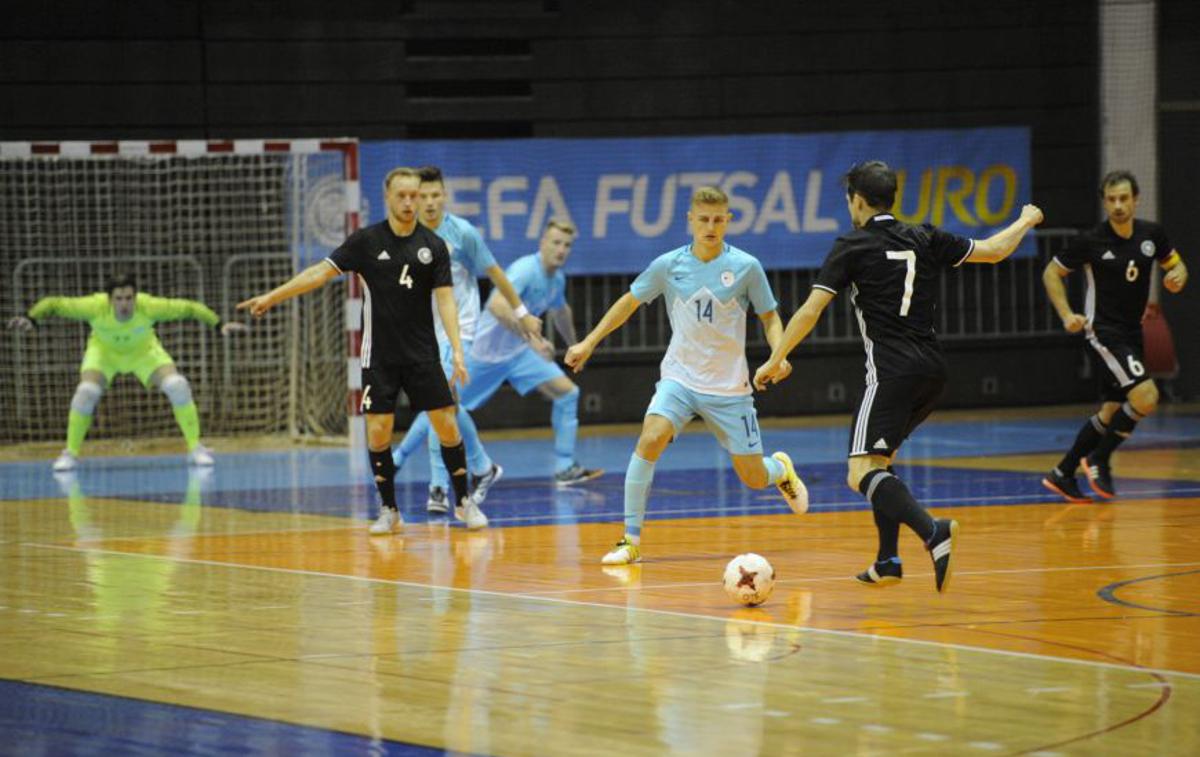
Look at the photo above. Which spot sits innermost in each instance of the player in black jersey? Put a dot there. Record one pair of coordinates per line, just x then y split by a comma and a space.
402, 265
892, 270
1118, 257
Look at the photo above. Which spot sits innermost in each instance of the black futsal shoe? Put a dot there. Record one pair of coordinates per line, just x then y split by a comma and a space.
940, 547
1064, 486
883, 573
1099, 476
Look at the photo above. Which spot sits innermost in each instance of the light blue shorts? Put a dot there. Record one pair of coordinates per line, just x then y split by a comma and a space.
733, 420
525, 371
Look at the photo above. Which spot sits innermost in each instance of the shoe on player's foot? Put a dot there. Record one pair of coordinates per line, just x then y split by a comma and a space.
1064, 486
576, 474
1099, 476
437, 504
65, 462
940, 545
624, 553
469, 513
882, 573
790, 486
389, 520
200, 456
484, 483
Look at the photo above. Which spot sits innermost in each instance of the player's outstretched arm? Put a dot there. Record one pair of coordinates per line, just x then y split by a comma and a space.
527, 322
1052, 279
773, 329
799, 326
1177, 272
313, 277
1000, 245
621, 310
83, 308
448, 312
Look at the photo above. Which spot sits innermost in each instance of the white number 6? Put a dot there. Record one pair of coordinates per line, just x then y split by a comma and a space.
1136, 368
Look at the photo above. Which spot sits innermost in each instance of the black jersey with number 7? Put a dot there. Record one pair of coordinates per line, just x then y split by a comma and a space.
892, 270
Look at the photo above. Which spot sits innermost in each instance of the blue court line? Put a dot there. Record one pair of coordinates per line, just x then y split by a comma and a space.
704, 493
303, 468
37, 719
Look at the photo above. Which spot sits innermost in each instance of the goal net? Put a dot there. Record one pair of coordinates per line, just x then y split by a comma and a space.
210, 221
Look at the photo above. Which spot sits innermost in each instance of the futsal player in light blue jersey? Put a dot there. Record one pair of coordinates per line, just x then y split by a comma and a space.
502, 352
470, 259
708, 286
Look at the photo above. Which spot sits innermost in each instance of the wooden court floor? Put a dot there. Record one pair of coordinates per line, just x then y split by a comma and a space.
1067, 629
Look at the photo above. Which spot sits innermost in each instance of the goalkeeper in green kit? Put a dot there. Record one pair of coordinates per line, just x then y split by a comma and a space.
122, 340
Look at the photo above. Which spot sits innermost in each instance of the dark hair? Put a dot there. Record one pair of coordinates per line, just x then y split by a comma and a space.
1116, 177
872, 180
118, 281
430, 174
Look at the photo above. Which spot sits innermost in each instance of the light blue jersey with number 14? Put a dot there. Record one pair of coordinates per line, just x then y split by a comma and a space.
707, 305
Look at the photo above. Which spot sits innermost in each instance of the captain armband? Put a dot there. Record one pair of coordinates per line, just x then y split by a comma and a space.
1172, 260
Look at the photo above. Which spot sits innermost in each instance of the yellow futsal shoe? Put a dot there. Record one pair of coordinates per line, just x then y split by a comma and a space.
624, 553
790, 486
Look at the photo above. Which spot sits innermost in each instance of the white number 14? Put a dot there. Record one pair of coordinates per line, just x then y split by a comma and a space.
910, 263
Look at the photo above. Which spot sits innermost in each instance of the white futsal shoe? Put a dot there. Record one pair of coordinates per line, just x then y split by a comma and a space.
65, 462
469, 513
389, 520
201, 456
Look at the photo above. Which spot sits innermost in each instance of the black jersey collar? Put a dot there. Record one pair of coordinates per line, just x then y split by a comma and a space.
880, 218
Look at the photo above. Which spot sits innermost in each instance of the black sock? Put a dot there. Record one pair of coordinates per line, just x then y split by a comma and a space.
890, 496
1085, 441
889, 535
455, 459
1119, 429
384, 469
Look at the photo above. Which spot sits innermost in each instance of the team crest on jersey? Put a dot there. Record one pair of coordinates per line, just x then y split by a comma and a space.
727, 278
425, 255
1148, 248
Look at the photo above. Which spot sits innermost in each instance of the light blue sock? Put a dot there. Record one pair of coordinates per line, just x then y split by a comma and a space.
564, 417
413, 439
478, 461
638, 477
438, 477
774, 469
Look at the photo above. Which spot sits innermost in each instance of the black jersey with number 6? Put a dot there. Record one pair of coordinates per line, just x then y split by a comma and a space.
399, 275
892, 270
1118, 272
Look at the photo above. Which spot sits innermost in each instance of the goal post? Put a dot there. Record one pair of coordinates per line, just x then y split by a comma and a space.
211, 220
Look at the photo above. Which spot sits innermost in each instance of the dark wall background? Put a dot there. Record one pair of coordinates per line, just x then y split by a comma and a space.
88, 69
1179, 171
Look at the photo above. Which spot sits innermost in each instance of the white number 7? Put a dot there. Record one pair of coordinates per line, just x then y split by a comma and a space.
910, 262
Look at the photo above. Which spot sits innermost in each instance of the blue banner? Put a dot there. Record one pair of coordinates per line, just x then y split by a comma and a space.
629, 197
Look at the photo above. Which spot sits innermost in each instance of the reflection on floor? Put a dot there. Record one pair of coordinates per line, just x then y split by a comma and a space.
149, 607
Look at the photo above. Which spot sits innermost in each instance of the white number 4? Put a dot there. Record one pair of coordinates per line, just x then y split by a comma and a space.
910, 274
405, 279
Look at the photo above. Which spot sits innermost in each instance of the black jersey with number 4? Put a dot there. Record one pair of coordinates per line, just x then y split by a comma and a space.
399, 275
892, 270
1118, 272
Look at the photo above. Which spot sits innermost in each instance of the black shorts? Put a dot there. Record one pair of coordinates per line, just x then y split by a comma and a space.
424, 383
890, 410
1117, 359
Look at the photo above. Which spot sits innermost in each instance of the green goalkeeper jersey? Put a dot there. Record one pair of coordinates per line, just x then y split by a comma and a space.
124, 338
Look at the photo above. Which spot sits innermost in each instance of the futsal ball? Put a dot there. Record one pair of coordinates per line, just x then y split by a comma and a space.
749, 579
